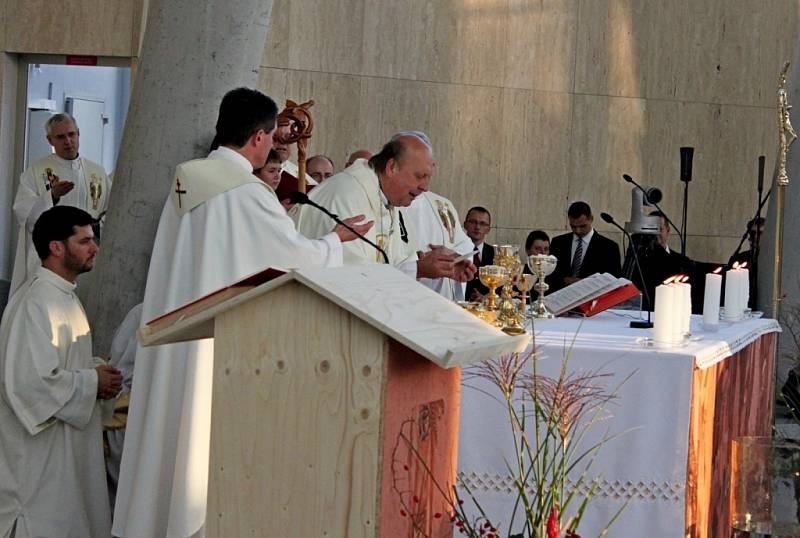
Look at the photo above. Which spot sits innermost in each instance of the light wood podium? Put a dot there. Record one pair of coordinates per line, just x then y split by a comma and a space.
335, 403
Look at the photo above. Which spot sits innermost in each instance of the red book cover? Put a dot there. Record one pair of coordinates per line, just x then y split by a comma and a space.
289, 184
218, 296
608, 300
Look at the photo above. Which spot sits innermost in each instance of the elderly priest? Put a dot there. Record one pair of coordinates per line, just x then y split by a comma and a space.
220, 223
52, 477
376, 188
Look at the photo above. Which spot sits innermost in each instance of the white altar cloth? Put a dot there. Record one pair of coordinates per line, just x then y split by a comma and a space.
646, 466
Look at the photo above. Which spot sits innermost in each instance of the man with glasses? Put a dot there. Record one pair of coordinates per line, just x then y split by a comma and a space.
477, 224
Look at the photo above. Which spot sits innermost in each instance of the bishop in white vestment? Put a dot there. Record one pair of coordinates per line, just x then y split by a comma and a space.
432, 219
34, 194
220, 224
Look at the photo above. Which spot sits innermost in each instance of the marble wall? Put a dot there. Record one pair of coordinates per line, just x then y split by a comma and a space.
531, 104
534, 104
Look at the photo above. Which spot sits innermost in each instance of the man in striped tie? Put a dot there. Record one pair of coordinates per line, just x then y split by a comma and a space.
582, 252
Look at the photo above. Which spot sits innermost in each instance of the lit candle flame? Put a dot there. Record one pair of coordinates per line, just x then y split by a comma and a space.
718, 270
735, 265
670, 280
744, 264
684, 279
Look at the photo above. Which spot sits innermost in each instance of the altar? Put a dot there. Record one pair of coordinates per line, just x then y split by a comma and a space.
675, 414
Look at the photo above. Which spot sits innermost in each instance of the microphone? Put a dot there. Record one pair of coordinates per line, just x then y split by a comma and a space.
302, 198
653, 201
633, 324
761, 160
686, 164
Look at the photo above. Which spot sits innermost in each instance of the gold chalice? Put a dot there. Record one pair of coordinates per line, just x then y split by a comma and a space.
492, 276
524, 284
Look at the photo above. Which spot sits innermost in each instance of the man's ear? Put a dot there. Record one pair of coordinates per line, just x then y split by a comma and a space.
57, 248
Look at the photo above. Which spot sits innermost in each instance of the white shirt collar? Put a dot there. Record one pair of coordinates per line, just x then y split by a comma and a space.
74, 164
46, 274
229, 154
586, 238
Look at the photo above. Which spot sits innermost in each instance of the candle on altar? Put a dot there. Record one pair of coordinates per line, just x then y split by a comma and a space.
667, 325
746, 287
685, 305
711, 299
735, 280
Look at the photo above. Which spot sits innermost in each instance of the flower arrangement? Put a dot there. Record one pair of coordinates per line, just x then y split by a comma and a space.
548, 418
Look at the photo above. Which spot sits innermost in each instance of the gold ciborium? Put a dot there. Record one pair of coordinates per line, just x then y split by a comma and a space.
492, 276
541, 265
510, 316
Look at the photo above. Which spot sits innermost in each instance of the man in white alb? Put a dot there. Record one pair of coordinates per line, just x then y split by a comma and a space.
62, 178
52, 475
220, 223
432, 221
377, 188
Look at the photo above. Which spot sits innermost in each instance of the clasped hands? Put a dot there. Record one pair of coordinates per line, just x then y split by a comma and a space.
109, 381
441, 262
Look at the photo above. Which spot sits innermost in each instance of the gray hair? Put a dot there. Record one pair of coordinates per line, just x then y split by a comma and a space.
61, 117
419, 135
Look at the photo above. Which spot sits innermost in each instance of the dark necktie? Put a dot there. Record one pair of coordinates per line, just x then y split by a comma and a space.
476, 259
577, 259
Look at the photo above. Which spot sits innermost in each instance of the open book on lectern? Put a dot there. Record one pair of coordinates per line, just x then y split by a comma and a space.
591, 295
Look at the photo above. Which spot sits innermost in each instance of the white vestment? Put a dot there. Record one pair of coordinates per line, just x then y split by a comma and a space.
33, 198
432, 219
234, 233
355, 191
123, 354
52, 474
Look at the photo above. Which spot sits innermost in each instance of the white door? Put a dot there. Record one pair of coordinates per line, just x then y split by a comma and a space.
89, 114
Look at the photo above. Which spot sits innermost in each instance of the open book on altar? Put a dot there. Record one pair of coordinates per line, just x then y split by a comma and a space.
591, 295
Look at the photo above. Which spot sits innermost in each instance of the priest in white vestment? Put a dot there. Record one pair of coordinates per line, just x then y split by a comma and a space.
63, 178
432, 220
377, 188
52, 474
220, 223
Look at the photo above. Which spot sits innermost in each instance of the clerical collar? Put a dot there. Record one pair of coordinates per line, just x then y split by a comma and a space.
46, 274
228, 154
74, 164
384, 199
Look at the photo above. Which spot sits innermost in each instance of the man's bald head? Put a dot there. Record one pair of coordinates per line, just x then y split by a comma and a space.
404, 167
358, 154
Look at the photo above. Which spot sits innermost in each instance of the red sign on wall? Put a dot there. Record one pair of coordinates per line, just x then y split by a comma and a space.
81, 60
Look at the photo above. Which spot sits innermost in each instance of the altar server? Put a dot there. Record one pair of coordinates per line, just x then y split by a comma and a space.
62, 178
52, 477
377, 188
432, 220
219, 224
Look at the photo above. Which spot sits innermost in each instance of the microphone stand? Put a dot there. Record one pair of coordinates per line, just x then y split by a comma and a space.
633, 324
302, 198
686, 176
629, 179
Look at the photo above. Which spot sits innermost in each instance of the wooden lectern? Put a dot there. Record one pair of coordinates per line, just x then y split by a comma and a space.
335, 404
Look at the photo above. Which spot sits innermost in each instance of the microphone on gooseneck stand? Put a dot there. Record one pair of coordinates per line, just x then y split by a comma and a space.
634, 324
301, 198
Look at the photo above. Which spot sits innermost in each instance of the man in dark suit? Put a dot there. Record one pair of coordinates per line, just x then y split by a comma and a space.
477, 224
582, 252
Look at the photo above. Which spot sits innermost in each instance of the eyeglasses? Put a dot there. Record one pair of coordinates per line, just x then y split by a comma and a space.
482, 224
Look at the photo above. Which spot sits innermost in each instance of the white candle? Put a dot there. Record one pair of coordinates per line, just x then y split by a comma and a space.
734, 308
711, 301
666, 329
686, 308
745, 287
